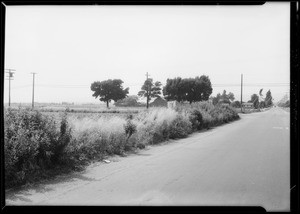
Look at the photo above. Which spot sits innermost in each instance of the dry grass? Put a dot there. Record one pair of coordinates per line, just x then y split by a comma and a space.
92, 136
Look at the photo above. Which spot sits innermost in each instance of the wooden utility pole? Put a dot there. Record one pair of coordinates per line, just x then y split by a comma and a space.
242, 93
10, 75
148, 90
33, 75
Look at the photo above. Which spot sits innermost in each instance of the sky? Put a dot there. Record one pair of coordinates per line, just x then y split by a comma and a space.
70, 47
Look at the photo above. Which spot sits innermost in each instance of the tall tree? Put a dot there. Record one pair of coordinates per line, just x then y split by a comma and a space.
216, 99
255, 100
173, 89
268, 99
150, 90
205, 88
236, 104
109, 90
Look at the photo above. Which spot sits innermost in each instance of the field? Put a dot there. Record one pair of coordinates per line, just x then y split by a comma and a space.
42, 142
81, 111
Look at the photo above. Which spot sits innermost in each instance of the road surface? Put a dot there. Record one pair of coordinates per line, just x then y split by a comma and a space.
242, 163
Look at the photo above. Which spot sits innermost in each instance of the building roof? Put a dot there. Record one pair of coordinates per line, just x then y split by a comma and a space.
248, 104
159, 102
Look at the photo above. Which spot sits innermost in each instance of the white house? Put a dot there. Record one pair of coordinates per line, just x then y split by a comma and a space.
172, 104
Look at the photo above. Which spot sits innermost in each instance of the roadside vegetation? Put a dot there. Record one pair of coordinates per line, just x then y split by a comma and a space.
38, 145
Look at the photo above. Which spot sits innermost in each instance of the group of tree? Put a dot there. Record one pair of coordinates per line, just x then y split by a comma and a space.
179, 89
284, 104
223, 98
261, 102
188, 89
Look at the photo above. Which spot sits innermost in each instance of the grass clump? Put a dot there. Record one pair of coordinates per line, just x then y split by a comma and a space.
161, 124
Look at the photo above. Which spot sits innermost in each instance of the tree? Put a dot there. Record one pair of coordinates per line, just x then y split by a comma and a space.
109, 90
231, 96
203, 88
262, 104
188, 89
173, 89
150, 90
236, 104
128, 101
268, 99
216, 99
224, 98
255, 100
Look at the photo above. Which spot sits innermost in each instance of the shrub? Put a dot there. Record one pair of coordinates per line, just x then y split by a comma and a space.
130, 128
159, 124
62, 142
207, 119
223, 114
196, 119
27, 144
211, 115
203, 105
180, 127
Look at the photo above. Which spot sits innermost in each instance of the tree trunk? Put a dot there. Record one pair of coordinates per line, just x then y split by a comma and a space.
107, 104
147, 101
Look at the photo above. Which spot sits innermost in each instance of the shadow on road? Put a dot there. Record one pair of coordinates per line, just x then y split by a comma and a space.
20, 193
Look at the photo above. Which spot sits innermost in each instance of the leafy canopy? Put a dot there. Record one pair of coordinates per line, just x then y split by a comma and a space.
109, 90
188, 89
150, 89
268, 99
223, 98
255, 100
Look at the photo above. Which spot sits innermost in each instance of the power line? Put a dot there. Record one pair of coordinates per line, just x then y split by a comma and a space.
253, 84
214, 85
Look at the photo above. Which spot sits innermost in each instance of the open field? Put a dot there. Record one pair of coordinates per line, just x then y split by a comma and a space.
77, 108
80, 111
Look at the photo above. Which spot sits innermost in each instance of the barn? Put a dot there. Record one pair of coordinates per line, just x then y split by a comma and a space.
159, 102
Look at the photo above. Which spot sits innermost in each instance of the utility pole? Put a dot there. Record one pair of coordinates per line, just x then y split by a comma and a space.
33, 75
147, 90
10, 75
242, 93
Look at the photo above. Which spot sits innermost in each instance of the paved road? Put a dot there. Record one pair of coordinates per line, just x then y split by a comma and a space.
242, 163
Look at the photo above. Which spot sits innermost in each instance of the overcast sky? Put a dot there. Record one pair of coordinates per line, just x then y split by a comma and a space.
69, 47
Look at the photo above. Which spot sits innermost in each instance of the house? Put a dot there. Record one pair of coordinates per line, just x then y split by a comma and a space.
159, 102
172, 104
247, 105
224, 104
